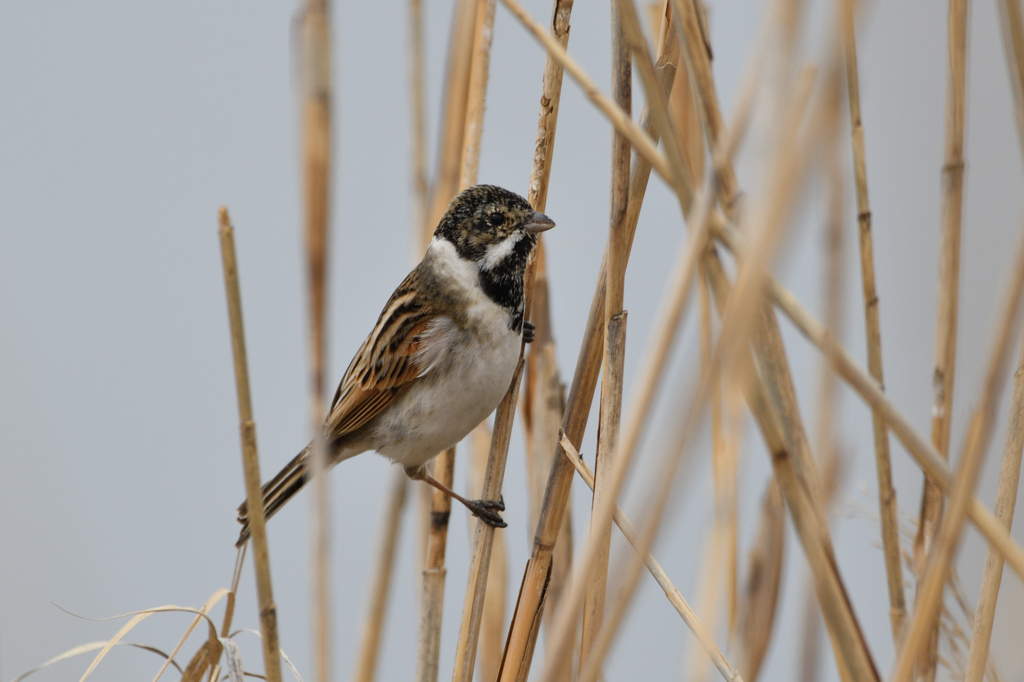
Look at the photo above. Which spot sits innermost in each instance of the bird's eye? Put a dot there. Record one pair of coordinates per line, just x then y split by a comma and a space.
496, 219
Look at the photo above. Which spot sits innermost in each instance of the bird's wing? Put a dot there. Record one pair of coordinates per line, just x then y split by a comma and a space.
410, 340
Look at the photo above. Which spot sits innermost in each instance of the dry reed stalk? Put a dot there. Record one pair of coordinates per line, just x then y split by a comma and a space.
780, 428
480, 560
373, 625
544, 399
962, 493
640, 139
492, 628
1006, 498
675, 597
1013, 42
250, 456
711, 582
826, 441
522, 636
564, 621
790, 167
446, 183
316, 144
948, 303
449, 161
614, 345
761, 588
434, 572
927, 457
886, 493
692, 31
483, 539
420, 185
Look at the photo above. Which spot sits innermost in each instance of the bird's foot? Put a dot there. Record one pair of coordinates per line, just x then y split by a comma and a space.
487, 511
529, 331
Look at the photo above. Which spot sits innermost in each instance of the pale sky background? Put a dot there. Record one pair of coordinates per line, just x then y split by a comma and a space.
123, 126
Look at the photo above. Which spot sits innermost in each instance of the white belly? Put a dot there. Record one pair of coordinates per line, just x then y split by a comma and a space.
447, 404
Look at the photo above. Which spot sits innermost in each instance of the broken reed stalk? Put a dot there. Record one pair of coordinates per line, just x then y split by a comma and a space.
887, 506
250, 457
316, 143
434, 572
522, 636
926, 456
373, 624
614, 345
948, 304
971, 458
673, 594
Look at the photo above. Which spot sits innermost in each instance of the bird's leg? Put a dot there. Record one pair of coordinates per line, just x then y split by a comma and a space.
529, 331
485, 510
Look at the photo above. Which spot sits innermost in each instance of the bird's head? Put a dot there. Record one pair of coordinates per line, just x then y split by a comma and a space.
492, 227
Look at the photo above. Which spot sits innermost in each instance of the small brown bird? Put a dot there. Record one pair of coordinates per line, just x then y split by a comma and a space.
442, 353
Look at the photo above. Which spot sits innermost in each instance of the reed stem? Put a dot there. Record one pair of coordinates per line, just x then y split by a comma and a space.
250, 457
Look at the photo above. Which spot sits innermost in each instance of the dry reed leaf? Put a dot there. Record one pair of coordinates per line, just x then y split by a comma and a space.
233, 657
761, 588
284, 656
93, 646
206, 608
138, 617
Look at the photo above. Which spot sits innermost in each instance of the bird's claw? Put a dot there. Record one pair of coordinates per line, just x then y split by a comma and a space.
487, 511
529, 331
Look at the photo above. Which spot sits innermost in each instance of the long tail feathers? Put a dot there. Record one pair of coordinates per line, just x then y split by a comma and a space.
277, 491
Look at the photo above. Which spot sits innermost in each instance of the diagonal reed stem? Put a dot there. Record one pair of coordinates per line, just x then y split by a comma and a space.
927, 457
250, 457
962, 494
673, 594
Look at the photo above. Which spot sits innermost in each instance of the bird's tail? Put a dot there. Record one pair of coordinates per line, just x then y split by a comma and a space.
277, 491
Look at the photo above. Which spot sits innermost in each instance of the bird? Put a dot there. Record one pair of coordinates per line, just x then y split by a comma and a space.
441, 355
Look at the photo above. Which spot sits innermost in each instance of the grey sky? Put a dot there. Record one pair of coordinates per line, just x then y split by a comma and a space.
123, 126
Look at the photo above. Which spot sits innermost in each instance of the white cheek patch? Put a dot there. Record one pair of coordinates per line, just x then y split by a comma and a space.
450, 264
497, 253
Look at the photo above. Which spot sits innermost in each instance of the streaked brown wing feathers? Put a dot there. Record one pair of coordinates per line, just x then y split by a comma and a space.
385, 366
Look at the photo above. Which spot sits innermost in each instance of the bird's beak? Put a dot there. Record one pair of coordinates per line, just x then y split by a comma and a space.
539, 223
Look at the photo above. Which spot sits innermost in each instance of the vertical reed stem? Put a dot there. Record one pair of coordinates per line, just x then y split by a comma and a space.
369, 648
316, 117
250, 457
615, 344
948, 302
886, 493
